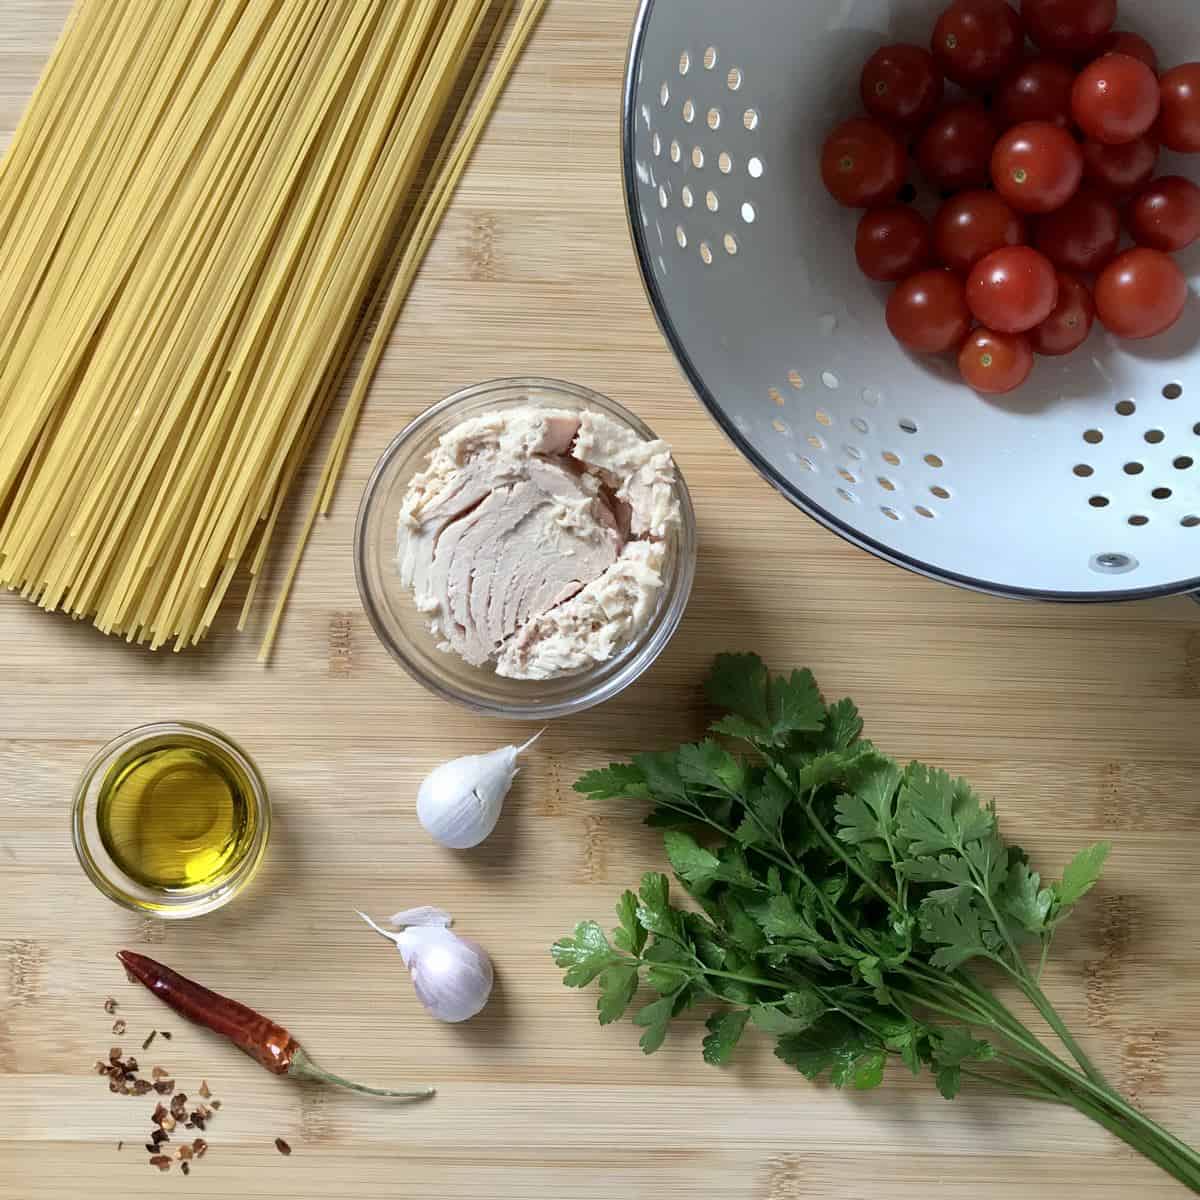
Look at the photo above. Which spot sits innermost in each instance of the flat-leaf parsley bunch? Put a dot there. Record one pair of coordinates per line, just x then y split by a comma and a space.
841, 899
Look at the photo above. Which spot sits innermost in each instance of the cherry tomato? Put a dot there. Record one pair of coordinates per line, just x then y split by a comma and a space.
1083, 235
1038, 91
892, 243
863, 164
1141, 293
928, 312
901, 85
1115, 99
1119, 171
1074, 26
955, 150
1166, 214
1037, 167
976, 41
994, 363
971, 225
1013, 289
1068, 326
1180, 124
1133, 44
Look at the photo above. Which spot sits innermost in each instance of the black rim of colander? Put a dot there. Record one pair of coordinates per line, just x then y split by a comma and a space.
780, 482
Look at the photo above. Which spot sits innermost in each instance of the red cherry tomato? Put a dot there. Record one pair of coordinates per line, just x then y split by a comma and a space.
892, 243
1141, 293
928, 312
994, 363
1037, 167
1038, 91
901, 85
1119, 171
1073, 26
975, 42
1068, 326
1166, 214
1133, 44
1180, 124
1083, 235
955, 150
1115, 99
863, 164
971, 225
1013, 289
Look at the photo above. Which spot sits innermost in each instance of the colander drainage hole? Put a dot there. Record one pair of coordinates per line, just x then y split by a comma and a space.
685, 63
940, 493
922, 511
1184, 463
750, 119
725, 162
823, 417
776, 396
710, 58
1173, 391
1126, 408
1134, 468
676, 152
885, 483
848, 476
1084, 471
891, 458
934, 461
689, 110
1093, 437
859, 424
1114, 564
1155, 436
1099, 502
1190, 522
890, 513
1138, 521
796, 380
849, 497
755, 167
853, 452
698, 157
1162, 493
664, 95
908, 425
734, 78
1196, 429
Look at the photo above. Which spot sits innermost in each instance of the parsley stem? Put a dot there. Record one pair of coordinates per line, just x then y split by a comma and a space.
1014, 1088
835, 847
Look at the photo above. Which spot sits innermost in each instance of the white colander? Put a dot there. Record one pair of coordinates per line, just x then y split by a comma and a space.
1083, 485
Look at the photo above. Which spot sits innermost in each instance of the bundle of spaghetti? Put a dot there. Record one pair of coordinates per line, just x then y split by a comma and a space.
205, 208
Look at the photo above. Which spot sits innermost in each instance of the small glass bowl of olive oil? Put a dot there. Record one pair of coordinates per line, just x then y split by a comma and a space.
171, 820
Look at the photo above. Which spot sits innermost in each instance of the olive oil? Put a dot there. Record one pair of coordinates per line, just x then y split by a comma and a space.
177, 814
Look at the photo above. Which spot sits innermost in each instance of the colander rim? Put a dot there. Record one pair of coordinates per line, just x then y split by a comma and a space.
743, 444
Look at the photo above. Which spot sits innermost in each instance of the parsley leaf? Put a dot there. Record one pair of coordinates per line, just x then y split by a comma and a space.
690, 861
621, 781
1025, 900
1082, 874
762, 709
585, 954
631, 936
618, 986
938, 813
724, 1033
868, 817
954, 922
710, 765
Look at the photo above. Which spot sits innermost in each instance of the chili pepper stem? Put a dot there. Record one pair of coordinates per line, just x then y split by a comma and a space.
304, 1068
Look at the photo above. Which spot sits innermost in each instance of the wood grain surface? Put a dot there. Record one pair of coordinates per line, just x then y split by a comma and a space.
1082, 722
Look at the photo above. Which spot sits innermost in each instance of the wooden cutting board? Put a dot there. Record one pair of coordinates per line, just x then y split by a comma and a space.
1082, 722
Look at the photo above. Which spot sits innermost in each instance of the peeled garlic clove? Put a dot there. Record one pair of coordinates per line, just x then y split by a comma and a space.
460, 802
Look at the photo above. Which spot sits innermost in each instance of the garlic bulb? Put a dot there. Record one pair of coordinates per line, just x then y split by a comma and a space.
460, 802
452, 976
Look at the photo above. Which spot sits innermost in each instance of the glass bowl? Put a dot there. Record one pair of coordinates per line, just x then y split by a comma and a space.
107, 874
404, 630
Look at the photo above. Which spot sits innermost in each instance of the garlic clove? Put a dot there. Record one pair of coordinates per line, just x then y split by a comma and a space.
459, 803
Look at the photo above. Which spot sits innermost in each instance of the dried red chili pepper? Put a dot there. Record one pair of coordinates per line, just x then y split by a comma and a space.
263, 1040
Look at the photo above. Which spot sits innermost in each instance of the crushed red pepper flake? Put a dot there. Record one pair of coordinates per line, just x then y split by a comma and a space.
114, 1054
200, 1146
149, 1038
110, 1006
118, 1027
164, 1032
204, 1090
161, 1161
164, 1086
185, 1168
159, 1073
282, 1147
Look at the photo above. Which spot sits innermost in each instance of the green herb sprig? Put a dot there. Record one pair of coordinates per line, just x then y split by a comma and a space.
841, 898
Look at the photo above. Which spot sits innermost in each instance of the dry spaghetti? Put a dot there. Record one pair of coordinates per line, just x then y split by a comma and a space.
205, 207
